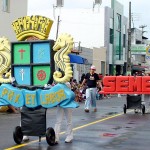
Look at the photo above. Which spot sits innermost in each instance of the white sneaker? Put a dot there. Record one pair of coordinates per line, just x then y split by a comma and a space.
68, 140
25, 138
56, 142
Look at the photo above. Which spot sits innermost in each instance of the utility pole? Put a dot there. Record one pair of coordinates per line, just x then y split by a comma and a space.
129, 43
59, 4
142, 27
58, 21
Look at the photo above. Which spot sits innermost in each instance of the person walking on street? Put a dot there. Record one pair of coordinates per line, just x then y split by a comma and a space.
61, 112
92, 80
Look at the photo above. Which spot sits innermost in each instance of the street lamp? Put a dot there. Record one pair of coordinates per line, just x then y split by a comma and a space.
97, 2
59, 3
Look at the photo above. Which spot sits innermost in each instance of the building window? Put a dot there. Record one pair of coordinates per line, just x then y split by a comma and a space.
111, 36
124, 40
118, 22
5, 5
119, 51
124, 29
119, 47
111, 23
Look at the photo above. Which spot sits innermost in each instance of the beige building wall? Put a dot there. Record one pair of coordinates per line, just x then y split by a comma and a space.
16, 9
99, 59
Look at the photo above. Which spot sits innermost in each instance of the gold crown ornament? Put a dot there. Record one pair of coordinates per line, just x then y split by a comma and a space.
28, 26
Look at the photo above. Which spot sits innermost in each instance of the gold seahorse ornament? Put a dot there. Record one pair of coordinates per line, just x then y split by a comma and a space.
5, 60
63, 46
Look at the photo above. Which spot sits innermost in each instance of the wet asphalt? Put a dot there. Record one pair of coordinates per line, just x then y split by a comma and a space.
107, 129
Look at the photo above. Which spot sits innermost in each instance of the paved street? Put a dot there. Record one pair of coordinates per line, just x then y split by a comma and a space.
107, 129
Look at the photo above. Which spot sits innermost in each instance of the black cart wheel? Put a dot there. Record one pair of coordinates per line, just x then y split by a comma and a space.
50, 136
143, 109
18, 135
124, 108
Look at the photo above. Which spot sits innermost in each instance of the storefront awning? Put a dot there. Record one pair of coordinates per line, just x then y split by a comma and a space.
76, 59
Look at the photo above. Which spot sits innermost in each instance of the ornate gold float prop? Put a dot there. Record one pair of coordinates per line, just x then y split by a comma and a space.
63, 46
5, 60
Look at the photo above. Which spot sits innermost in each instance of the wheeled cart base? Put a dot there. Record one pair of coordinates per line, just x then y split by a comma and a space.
134, 102
33, 123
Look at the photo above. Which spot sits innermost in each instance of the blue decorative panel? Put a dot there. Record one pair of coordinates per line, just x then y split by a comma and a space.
41, 53
22, 75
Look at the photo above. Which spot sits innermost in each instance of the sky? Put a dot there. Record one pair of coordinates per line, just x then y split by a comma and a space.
78, 19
